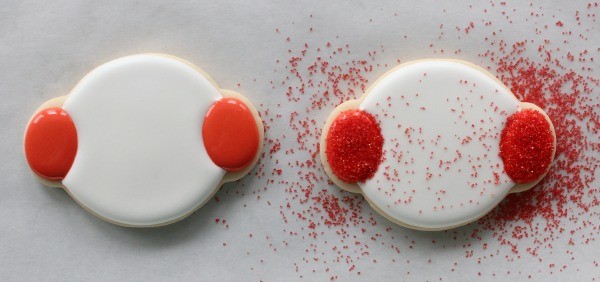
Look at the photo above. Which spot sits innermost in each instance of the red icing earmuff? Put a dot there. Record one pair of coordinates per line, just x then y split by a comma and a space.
526, 146
51, 143
230, 134
354, 146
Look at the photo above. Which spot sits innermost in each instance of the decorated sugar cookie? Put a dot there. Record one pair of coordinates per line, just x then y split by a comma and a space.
435, 144
144, 140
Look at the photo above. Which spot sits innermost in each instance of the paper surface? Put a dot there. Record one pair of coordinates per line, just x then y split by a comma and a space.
249, 232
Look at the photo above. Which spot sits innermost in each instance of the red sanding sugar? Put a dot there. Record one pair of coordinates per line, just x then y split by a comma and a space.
335, 228
565, 201
526, 146
354, 146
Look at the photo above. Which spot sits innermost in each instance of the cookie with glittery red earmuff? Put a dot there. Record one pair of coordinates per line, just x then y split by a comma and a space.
144, 140
436, 144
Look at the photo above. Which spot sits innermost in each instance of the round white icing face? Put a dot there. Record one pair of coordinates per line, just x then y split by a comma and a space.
140, 159
441, 122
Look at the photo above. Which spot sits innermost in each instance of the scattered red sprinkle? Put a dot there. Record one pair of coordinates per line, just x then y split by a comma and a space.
339, 233
566, 194
526, 146
354, 146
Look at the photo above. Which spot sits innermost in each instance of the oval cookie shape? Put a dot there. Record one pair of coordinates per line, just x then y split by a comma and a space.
141, 158
442, 123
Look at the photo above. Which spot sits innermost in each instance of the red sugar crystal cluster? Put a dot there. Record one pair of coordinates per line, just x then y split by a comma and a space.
354, 146
526, 146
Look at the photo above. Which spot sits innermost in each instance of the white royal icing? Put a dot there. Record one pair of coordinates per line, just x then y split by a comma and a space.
441, 122
140, 159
